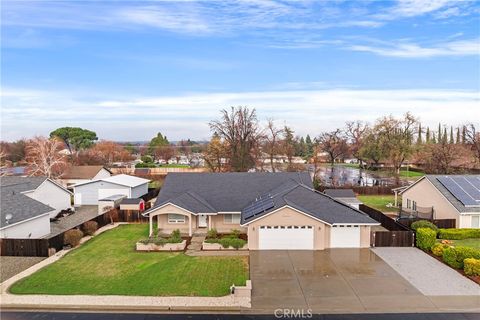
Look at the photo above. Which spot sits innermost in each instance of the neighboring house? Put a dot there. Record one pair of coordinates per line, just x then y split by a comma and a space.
81, 174
132, 204
88, 193
449, 196
27, 205
277, 210
344, 195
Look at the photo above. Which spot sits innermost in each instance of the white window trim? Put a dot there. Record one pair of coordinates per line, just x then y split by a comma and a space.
176, 221
231, 222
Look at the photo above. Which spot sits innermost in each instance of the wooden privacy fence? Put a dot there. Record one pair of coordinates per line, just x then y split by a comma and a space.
386, 222
24, 247
392, 239
441, 223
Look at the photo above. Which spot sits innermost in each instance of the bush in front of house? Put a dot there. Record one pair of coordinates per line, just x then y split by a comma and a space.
90, 227
471, 266
72, 237
459, 234
236, 243
454, 256
212, 234
426, 238
438, 248
175, 237
423, 224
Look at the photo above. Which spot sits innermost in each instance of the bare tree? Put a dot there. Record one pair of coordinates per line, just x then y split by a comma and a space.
215, 155
472, 137
239, 129
356, 131
272, 139
441, 156
43, 157
333, 143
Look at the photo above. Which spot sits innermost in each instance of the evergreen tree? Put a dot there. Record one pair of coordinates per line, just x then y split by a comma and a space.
419, 138
458, 135
452, 141
434, 141
309, 145
439, 133
427, 135
445, 137
464, 134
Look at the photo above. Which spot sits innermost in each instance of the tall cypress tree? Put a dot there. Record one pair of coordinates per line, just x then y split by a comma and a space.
464, 135
419, 138
452, 141
433, 139
439, 133
427, 135
458, 135
445, 137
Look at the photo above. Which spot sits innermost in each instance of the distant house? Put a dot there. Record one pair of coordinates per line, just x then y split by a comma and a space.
88, 193
446, 197
81, 174
345, 195
28, 203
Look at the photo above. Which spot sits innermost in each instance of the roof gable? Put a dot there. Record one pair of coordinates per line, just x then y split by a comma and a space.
83, 172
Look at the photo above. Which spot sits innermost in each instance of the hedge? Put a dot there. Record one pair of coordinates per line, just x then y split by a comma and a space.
438, 249
458, 234
471, 267
454, 256
423, 224
426, 238
72, 237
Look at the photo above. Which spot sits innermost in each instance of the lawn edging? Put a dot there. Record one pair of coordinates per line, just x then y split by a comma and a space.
165, 247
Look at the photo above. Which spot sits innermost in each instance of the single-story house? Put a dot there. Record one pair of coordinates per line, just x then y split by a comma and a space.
344, 195
137, 204
276, 210
111, 202
88, 193
447, 196
81, 174
27, 205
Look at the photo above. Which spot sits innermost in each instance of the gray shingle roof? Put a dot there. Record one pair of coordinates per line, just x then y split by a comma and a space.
450, 197
222, 192
340, 193
131, 201
20, 206
315, 204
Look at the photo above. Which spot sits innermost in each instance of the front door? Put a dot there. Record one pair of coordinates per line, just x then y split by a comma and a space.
202, 221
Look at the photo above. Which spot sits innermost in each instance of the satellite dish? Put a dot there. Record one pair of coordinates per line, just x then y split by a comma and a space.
8, 217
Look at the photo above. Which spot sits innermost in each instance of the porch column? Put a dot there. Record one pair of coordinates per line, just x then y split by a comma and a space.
209, 222
158, 222
150, 220
396, 195
190, 225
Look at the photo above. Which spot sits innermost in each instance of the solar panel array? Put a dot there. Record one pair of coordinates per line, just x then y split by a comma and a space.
465, 188
261, 204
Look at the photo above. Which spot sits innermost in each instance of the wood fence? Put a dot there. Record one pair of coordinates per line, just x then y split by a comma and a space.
24, 247
386, 222
441, 223
392, 239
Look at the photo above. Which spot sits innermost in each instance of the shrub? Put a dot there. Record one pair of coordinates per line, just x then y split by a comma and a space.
147, 159
90, 227
426, 238
458, 234
471, 267
232, 242
235, 233
438, 249
212, 234
423, 224
72, 237
454, 256
175, 237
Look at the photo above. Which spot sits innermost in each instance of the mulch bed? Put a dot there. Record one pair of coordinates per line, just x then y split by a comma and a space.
475, 279
242, 236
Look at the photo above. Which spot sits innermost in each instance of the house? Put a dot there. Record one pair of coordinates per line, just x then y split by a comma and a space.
446, 197
81, 174
345, 195
28, 203
276, 210
132, 204
88, 193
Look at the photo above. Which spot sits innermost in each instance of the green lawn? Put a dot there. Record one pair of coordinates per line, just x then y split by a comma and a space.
378, 202
472, 243
410, 174
109, 265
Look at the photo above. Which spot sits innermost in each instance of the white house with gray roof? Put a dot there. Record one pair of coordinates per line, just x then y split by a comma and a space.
447, 196
276, 210
28, 203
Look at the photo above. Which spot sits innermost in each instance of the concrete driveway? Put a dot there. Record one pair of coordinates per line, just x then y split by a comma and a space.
332, 281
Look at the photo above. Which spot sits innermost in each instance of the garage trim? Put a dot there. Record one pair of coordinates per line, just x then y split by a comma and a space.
279, 237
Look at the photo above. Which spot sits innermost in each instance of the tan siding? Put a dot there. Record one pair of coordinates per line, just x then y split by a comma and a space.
218, 223
365, 236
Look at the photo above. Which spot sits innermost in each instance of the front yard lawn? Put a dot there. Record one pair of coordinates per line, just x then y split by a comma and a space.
472, 243
109, 265
378, 202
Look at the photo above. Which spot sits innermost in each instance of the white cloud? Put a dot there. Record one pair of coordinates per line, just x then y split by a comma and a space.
413, 50
30, 112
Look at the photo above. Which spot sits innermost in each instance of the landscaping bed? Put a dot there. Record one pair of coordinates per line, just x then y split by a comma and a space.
225, 241
109, 265
172, 242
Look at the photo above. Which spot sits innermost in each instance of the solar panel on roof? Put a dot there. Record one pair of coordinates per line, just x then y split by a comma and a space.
260, 205
460, 188
475, 181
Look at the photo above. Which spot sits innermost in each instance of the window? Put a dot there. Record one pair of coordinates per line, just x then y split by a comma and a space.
475, 221
414, 205
408, 204
231, 218
176, 218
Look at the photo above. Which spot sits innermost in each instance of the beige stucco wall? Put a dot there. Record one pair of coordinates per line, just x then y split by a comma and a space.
218, 223
161, 217
426, 195
290, 217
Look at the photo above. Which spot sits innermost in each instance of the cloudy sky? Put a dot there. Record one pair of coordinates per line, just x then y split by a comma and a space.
130, 69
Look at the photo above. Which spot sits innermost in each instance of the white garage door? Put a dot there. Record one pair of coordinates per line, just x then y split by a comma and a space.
105, 193
285, 238
345, 237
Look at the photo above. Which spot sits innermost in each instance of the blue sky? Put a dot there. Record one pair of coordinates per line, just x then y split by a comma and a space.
130, 69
